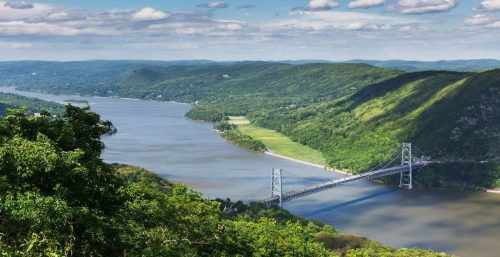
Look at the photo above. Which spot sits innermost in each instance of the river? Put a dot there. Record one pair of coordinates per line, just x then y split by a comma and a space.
156, 136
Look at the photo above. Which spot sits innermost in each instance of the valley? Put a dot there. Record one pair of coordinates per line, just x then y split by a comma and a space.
339, 115
351, 113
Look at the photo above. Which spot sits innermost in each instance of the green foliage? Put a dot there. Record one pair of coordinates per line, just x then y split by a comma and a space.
214, 82
234, 135
265, 237
12, 101
234, 88
57, 198
497, 183
451, 117
205, 113
459, 175
224, 126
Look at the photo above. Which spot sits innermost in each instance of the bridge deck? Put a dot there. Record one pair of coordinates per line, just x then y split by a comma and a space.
337, 182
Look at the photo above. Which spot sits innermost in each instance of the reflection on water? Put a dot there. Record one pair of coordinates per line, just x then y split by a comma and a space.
155, 135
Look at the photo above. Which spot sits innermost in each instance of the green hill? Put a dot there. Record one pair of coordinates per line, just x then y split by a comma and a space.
207, 82
451, 117
228, 86
12, 101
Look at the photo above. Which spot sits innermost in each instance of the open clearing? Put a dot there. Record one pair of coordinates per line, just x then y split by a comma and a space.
278, 143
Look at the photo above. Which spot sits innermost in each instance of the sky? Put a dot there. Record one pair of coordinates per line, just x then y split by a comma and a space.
231, 30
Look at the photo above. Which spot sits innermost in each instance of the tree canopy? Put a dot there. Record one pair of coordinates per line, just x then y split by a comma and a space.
58, 198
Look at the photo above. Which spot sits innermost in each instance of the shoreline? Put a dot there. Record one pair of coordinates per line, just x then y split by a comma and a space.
83, 96
493, 191
308, 163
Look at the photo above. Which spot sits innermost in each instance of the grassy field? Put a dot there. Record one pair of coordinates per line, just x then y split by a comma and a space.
277, 143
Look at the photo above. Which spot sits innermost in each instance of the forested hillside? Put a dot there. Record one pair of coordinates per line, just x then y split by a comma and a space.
57, 198
451, 118
226, 85
78, 77
9, 101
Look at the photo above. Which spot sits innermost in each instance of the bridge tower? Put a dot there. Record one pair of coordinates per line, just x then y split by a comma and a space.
276, 185
406, 180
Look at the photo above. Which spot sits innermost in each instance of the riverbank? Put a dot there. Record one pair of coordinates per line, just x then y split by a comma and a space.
281, 146
278, 143
493, 191
308, 163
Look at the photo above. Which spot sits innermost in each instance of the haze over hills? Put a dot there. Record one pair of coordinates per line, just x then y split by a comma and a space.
450, 65
407, 65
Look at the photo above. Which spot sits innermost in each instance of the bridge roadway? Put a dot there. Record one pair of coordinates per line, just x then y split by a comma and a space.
341, 181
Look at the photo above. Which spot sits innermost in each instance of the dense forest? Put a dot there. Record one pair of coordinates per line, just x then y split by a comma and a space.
355, 114
453, 118
58, 198
235, 136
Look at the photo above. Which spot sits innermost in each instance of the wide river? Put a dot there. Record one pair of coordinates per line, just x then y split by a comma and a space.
156, 136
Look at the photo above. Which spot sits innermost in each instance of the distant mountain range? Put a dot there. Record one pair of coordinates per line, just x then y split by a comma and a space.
453, 65
450, 65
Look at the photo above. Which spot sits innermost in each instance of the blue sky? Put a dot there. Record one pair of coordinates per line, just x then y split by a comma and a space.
250, 30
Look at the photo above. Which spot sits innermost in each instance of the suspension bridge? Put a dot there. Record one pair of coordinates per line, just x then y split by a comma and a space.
405, 169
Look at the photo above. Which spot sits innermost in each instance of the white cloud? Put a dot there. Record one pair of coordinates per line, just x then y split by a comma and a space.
483, 21
322, 4
332, 20
479, 19
214, 5
57, 16
230, 26
423, 6
149, 14
489, 5
207, 28
16, 28
495, 25
23, 28
365, 3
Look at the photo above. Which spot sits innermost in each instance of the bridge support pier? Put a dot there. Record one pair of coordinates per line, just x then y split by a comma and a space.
276, 184
406, 180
